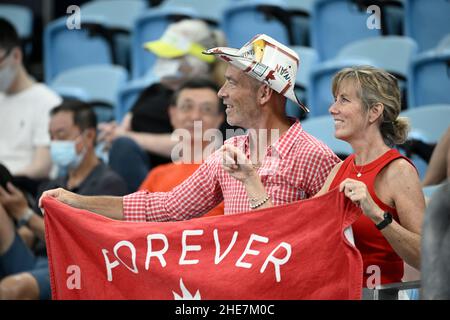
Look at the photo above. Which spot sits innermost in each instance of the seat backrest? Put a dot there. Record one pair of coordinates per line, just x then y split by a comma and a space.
430, 122
429, 78
242, 21
392, 53
323, 128
149, 27
336, 23
207, 10
427, 22
118, 13
65, 49
100, 82
20, 17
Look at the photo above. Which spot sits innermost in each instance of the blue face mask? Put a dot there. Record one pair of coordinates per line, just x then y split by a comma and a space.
64, 155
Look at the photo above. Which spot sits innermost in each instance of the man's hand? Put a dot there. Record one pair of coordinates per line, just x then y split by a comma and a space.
236, 164
13, 200
61, 195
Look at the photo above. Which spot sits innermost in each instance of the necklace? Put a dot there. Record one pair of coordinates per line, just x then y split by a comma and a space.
358, 173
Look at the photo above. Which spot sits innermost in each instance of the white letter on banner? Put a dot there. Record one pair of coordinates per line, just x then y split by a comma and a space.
159, 254
110, 266
277, 262
248, 251
218, 257
187, 248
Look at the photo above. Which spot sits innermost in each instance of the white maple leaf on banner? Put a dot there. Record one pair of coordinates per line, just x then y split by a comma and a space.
185, 294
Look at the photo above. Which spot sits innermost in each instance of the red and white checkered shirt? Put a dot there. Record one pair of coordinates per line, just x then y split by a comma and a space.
295, 167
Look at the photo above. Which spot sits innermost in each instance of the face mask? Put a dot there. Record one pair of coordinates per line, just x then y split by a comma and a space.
64, 155
7, 76
167, 68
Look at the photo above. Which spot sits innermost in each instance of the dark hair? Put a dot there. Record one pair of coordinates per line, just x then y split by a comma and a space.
198, 83
9, 39
83, 114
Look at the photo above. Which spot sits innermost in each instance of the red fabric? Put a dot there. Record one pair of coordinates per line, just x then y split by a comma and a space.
165, 177
295, 167
374, 247
321, 264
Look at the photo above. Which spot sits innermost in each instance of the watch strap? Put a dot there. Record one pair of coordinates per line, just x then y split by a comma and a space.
387, 220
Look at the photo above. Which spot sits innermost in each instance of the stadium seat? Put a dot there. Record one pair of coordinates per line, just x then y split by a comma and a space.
300, 12
427, 22
428, 123
119, 17
101, 84
65, 49
209, 11
323, 128
148, 27
241, 21
320, 96
336, 23
392, 53
429, 79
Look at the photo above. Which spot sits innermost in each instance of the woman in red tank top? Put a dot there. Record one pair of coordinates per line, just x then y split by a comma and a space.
377, 178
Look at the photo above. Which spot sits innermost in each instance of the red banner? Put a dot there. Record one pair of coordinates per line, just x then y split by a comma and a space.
295, 251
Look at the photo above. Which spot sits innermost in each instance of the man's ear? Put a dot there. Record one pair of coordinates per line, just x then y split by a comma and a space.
376, 112
264, 94
91, 135
17, 55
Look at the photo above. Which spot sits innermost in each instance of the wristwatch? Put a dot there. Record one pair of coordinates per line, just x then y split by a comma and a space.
25, 218
387, 220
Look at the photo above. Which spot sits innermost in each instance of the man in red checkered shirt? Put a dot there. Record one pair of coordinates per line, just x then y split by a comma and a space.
292, 164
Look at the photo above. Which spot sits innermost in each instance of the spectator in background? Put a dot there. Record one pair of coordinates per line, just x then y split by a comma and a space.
24, 273
143, 137
195, 100
24, 112
439, 166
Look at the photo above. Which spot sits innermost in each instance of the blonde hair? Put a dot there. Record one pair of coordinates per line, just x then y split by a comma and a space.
378, 86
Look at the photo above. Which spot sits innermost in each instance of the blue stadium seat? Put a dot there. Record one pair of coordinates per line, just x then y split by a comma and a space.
119, 17
65, 49
241, 21
129, 94
428, 123
300, 12
429, 79
392, 53
323, 128
209, 11
148, 27
336, 23
427, 22
320, 96
101, 83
